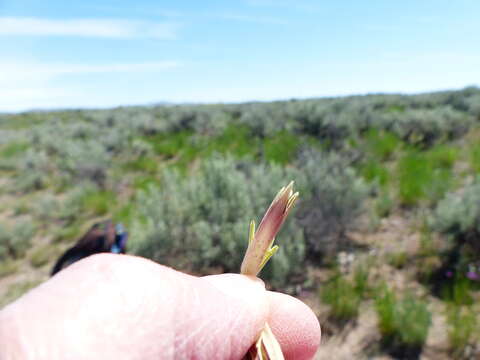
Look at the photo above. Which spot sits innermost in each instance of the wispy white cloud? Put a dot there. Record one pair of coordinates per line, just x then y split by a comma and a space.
13, 73
138, 11
104, 28
35, 85
60, 69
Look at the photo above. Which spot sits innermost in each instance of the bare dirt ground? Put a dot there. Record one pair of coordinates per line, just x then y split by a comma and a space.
359, 339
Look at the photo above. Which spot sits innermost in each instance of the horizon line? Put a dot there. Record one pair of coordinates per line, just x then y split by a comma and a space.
206, 103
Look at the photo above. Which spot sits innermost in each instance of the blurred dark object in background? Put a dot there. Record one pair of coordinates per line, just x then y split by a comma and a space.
102, 237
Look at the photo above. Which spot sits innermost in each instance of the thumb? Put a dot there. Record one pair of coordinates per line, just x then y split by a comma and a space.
226, 316
293, 323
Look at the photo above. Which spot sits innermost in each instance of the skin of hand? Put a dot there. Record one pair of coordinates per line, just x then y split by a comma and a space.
123, 307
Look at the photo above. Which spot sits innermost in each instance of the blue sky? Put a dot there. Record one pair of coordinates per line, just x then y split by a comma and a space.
63, 54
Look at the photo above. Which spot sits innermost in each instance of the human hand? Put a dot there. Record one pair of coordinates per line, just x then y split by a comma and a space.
123, 307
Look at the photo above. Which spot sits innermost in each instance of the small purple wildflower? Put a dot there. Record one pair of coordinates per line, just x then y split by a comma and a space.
472, 275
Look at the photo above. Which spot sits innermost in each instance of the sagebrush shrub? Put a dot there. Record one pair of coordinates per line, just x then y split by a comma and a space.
74, 203
46, 207
473, 105
333, 198
425, 127
458, 215
4, 243
266, 118
15, 240
201, 221
33, 170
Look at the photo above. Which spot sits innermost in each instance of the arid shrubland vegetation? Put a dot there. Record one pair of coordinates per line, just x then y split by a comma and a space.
187, 179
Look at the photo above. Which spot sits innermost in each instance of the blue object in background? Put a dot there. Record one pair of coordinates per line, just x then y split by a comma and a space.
121, 237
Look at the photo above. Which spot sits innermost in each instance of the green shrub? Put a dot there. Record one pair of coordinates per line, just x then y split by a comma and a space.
170, 145
237, 140
425, 175
21, 208
266, 119
343, 298
46, 207
282, 147
184, 146
398, 260
385, 304
475, 157
332, 198
42, 256
84, 160
99, 202
344, 293
13, 149
4, 242
381, 144
442, 181
384, 204
71, 207
142, 164
414, 177
458, 215
144, 182
86, 199
125, 213
8, 165
21, 236
68, 233
442, 156
360, 279
141, 148
8, 267
427, 245
458, 290
374, 172
414, 321
473, 105
10, 154
426, 127
15, 240
201, 221
32, 171
403, 324
462, 329
20, 121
